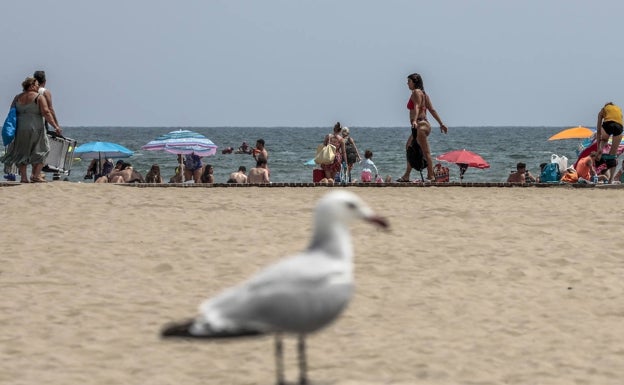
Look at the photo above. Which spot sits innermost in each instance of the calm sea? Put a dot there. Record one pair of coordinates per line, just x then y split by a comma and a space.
290, 147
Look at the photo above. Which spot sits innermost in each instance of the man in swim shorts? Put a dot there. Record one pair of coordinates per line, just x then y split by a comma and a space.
609, 125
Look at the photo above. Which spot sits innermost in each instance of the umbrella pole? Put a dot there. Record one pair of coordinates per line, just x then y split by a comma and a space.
181, 167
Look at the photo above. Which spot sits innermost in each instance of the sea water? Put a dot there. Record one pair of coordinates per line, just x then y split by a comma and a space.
291, 147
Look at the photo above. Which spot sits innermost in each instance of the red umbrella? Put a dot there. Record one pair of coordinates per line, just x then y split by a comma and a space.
464, 159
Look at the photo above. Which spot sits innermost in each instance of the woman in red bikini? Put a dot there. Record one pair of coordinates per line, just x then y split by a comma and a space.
418, 104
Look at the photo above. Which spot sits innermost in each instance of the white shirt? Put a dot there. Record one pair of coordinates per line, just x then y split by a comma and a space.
368, 164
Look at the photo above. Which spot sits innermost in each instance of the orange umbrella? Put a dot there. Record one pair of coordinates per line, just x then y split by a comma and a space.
579, 132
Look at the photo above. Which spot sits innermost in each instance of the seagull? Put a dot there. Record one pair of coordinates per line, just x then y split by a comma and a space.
298, 295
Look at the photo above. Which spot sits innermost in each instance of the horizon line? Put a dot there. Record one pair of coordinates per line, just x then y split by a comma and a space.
278, 126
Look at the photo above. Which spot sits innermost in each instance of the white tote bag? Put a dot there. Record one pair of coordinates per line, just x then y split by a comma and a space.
562, 161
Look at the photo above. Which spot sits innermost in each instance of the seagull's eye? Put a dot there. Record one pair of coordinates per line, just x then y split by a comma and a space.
351, 205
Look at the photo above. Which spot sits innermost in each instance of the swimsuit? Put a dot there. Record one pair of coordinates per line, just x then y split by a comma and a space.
350, 150
612, 128
193, 162
422, 111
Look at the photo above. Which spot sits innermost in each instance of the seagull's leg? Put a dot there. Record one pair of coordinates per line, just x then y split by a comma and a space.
303, 366
279, 359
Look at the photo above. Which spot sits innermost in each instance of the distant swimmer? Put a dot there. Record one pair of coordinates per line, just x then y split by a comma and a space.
244, 149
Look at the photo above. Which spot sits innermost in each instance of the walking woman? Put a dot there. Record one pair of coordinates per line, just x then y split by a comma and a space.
418, 105
31, 145
335, 139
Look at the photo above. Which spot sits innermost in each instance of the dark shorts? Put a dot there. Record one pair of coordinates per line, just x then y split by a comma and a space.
610, 162
612, 128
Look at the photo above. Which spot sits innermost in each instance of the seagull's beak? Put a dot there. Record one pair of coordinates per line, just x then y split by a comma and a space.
379, 221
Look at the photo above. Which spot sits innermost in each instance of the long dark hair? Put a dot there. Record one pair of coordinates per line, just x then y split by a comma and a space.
418, 82
205, 176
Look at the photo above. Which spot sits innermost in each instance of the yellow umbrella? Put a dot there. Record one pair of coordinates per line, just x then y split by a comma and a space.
579, 132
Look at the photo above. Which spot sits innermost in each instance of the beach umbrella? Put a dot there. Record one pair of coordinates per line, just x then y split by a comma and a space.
182, 142
464, 159
579, 132
99, 150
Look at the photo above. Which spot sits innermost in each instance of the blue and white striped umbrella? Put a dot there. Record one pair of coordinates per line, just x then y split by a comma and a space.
183, 142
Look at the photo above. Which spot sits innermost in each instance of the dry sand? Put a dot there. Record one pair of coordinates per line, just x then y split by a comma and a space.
470, 286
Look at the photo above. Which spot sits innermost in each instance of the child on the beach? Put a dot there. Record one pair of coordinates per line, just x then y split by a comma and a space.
367, 167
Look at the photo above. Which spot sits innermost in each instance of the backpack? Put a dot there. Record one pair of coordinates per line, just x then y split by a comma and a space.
416, 157
550, 173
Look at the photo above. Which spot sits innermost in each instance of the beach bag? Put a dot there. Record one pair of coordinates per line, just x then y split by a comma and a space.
550, 173
416, 157
325, 154
562, 161
441, 173
10, 124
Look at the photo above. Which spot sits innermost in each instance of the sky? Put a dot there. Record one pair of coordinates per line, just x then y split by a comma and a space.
310, 63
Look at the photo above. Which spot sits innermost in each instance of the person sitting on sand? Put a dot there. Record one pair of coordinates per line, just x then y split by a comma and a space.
103, 178
92, 169
586, 169
367, 167
238, 176
260, 173
177, 177
153, 175
207, 175
126, 174
522, 175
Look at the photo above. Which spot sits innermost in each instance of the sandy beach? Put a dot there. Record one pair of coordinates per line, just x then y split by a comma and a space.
470, 285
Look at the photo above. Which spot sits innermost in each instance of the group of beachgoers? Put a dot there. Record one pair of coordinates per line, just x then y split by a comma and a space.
29, 145
597, 162
347, 154
191, 169
35, 113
